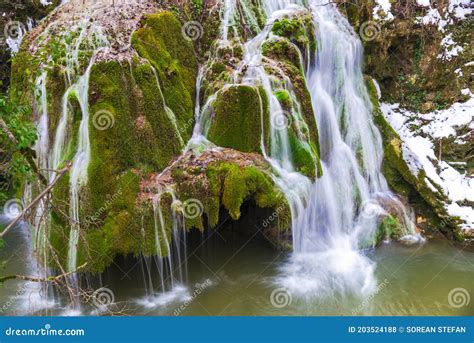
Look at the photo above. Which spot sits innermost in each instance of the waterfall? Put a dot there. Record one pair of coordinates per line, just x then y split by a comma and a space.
327, 259
41, 218
77, 87
78, 173
170, 257
65, 144
329, 226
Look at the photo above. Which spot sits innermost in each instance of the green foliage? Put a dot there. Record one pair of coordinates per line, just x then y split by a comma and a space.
197, 7
14, 167
413, 95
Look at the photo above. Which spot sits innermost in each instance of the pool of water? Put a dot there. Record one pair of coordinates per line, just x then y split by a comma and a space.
232, 274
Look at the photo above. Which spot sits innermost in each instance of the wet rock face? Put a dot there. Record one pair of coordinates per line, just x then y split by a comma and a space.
239, 114
141, 71
140, 93
143, 78
17, 15
217, 182
418, 54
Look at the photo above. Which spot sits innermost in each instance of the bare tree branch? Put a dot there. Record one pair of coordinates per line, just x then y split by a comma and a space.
38, 198
52, 279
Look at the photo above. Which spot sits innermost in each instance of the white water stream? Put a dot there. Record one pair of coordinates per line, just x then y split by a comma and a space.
330, 222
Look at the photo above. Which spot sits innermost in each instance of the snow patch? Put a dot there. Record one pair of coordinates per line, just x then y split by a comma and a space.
424, 3
381, 10
419, 134
450, 49
457, 10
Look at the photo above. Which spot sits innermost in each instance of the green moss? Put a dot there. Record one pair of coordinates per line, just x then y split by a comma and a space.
298, 29
141, 133
305, 157
161, 42
24, 70
237, 121
389, 228
397, 172
284, 98
59, 225
237, 184
282, 49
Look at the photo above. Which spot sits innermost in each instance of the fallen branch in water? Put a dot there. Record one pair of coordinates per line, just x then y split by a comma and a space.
52, 279
38, 198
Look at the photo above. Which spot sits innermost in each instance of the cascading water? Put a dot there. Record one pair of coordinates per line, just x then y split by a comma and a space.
329, 223
42, 149
78, 174
334, 227
79, 89
329, 228
170, 256
66, 142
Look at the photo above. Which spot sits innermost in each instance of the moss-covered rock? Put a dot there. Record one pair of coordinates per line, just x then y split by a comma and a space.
298, 28
407, 54
238, 116
417, 188
162, 43
288, 57
389, 228
221, 179
145, 98
296, 103
16, 14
